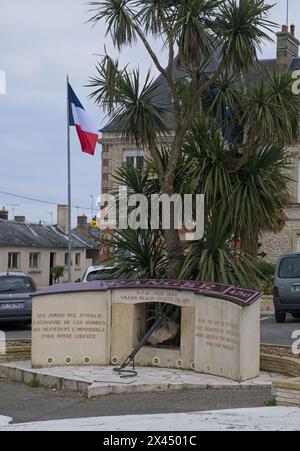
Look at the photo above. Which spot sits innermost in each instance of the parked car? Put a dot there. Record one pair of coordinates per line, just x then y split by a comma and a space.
97, 273
16, 297
287, 287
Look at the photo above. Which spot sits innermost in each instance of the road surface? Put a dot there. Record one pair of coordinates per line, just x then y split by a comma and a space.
16, 331
278, 334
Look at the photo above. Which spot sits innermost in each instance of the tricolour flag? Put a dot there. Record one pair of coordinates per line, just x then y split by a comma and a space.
87, 131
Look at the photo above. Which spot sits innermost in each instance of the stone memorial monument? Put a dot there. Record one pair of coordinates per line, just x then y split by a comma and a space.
99, 323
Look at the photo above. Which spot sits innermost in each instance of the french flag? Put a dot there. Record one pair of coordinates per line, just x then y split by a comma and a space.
87, 131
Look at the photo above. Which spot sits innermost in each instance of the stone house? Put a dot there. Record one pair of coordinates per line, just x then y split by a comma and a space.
116, 149
36, 248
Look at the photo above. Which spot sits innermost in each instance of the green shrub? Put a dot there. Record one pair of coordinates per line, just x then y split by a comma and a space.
267, 271
57, 272
271, 403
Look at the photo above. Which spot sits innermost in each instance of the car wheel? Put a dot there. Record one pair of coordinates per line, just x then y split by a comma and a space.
296, 315
280, 317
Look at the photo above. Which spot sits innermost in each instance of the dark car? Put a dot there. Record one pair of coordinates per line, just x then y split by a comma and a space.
16, 297
287, 287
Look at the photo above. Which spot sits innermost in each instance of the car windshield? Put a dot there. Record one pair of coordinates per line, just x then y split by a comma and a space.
98, 275
16, 284
290, 268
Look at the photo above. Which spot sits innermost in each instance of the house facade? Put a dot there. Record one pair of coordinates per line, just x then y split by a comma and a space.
116, 150
36, 248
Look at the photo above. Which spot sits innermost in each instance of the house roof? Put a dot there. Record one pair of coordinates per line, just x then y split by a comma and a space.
87, 234
256, 74
295, 64
164, 95
39, 236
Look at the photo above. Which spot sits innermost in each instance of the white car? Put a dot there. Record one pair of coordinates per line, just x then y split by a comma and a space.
97, 273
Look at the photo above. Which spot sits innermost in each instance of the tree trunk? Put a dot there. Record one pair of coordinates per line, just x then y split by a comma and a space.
249, 243
173, 243
175, 253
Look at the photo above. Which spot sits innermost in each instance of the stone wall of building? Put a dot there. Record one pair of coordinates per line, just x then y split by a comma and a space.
113, 148
288, 239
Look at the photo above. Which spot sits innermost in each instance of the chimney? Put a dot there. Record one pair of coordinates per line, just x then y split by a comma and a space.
4, 214
285, 29
62, 218
293, 30
81, 221
20, 219
287, 47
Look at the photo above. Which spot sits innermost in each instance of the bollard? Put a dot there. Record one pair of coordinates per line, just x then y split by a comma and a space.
2, 343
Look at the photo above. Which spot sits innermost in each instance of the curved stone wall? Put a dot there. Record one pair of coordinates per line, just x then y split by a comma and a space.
99, 323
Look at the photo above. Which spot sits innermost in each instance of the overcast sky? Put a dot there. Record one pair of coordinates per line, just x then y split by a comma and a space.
41, 41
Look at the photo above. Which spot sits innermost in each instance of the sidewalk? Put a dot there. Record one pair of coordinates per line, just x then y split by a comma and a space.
262, 419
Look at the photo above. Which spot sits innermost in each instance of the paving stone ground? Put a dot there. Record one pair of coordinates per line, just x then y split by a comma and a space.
100, 381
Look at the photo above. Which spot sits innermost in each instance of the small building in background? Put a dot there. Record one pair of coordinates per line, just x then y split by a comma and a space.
37, 248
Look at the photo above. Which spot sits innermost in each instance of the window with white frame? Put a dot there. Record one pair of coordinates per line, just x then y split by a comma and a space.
13, 260
135, 157
34, 260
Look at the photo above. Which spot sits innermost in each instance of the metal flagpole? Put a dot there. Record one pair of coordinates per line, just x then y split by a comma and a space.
69, 192
287, 12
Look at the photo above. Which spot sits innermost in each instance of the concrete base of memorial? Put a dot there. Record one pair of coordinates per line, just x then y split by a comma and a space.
101, 381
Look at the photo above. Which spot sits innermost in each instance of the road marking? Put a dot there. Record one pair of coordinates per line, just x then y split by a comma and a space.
266, 317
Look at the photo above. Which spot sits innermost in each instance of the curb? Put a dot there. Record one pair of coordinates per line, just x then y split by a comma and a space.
94, 389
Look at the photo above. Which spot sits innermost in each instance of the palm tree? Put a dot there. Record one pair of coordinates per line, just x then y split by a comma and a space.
251, 198
263, 118
201, 29
254, 192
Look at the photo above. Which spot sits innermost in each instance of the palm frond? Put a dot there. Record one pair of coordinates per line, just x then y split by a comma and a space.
212, 259
117, 15
139, 254
242, 27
